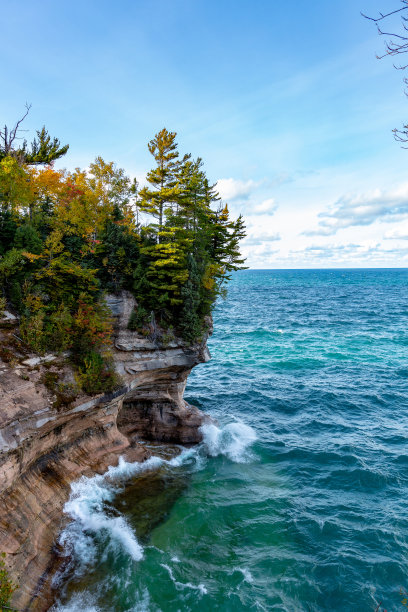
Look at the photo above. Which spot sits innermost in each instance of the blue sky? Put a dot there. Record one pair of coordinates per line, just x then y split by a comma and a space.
284, 101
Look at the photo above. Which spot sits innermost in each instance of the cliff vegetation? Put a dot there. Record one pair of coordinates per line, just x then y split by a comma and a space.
69, 237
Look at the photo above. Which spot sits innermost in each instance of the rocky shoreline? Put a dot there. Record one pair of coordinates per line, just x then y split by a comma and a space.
46, 445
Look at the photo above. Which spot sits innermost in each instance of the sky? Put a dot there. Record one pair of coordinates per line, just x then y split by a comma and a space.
285, 102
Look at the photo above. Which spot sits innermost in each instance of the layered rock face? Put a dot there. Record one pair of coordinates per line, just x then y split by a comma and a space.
44, 446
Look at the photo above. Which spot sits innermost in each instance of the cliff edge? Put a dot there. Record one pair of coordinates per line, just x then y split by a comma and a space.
49, 439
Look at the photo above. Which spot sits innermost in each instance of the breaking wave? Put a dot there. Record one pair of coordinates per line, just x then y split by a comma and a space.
94, 521
232, 440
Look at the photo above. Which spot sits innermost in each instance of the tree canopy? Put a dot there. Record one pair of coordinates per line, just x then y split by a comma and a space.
66, 237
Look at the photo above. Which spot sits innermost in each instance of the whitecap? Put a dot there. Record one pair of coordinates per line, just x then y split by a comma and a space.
87, 509
246, 573
232, 440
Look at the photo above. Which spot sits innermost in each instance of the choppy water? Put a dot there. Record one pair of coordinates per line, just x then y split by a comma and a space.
299, 500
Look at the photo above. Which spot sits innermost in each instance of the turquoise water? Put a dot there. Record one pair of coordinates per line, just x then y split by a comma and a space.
299, 500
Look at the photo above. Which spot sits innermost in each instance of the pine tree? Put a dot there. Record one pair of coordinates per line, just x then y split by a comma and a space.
164, 191
27, 238
167, 271
224, 244
193, 200
190, 320
44, 150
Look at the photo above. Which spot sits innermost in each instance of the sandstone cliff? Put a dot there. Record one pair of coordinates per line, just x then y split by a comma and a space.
46, 443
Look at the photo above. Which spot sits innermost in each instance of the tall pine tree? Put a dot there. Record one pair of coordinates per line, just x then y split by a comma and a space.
164, 189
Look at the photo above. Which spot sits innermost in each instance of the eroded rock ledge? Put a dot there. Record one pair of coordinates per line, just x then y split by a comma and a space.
45, 446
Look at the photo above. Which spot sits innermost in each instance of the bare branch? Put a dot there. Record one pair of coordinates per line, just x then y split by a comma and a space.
7, 137
385, 15
396, 45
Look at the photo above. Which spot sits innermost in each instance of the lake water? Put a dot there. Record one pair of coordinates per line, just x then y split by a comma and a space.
299, 499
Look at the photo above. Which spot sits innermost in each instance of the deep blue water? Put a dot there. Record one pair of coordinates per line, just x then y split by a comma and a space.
313, 514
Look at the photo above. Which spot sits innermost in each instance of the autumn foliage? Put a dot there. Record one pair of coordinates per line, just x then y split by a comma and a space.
67, 237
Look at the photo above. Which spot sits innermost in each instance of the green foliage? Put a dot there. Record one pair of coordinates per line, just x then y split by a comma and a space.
117, 255
32, 331
97, 374
10, 265
44, 150
164, 189
8, 227
7, 586
190, 320
26, 238
168, 336
64, 393
15, 189
68, 237
60, 329
3, 304
138, 319
92, 327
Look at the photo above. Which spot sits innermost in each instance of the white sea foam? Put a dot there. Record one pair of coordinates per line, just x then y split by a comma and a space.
232, 440
87, 509
184, 585
245, 572
85, 602
80, 601
88, 505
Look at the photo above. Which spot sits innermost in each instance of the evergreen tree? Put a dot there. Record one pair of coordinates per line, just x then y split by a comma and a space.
190, 320
28, 239
167, 271
44, 149
8, 227
117, 254
164, 190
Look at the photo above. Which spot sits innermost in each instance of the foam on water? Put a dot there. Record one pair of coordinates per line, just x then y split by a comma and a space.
87, 505
184, 585
85, 602
80, 601
246, 573
318, 521
87, 509
232, 440
92, 516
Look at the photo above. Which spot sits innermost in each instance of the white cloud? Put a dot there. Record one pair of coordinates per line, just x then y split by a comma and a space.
398, 233
349, 253
363, 209
266, 207
233, 189
255, 239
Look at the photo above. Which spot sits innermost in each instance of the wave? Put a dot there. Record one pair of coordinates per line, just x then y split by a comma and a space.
88, 509
93, 518
232, 440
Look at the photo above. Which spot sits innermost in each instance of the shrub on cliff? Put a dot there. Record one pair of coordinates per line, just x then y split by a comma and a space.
97, 374
7, 586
